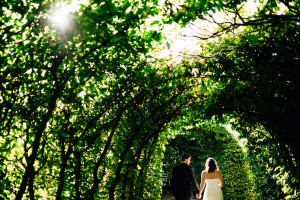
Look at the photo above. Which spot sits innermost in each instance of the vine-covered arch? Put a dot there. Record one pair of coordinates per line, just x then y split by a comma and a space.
207, 139
84, 108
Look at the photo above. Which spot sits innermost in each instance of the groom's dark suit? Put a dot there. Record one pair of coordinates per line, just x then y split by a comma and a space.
183, 181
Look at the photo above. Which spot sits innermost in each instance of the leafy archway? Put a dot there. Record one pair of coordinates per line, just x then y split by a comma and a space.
84, 106
206, 140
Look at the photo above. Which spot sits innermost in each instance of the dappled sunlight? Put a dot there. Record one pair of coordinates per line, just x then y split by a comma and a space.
96, 95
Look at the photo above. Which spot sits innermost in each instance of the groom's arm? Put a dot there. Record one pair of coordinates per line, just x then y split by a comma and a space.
194, 182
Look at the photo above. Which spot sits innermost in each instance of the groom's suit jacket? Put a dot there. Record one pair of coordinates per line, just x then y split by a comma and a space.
183, 180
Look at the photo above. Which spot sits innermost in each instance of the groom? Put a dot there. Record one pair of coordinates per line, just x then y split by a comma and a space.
183, 179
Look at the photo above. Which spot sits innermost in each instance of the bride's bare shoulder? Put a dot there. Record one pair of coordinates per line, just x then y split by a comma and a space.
218, 172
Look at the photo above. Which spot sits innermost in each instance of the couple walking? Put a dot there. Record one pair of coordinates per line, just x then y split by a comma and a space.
183, 180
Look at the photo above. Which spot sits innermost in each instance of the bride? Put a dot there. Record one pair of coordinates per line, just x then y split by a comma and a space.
212, 177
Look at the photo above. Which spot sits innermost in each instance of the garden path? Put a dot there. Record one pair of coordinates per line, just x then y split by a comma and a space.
166, 195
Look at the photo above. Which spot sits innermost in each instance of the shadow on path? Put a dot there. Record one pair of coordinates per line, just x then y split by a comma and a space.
166, 195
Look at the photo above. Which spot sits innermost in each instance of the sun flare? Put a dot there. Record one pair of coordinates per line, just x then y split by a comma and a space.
61, 14
60, 17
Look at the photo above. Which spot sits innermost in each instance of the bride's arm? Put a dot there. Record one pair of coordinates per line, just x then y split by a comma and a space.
221, 180
203, 178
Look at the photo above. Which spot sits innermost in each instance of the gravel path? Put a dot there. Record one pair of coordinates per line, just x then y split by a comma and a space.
166, 195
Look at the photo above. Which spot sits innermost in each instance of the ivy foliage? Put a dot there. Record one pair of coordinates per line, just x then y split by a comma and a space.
83, 109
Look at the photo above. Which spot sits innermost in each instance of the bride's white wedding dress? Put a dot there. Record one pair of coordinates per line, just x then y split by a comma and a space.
212, 190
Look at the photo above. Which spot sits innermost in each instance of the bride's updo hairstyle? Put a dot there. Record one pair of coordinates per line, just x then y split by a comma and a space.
211, 165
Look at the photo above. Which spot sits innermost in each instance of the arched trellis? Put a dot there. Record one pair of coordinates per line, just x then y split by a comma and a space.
204, 139
79, 110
